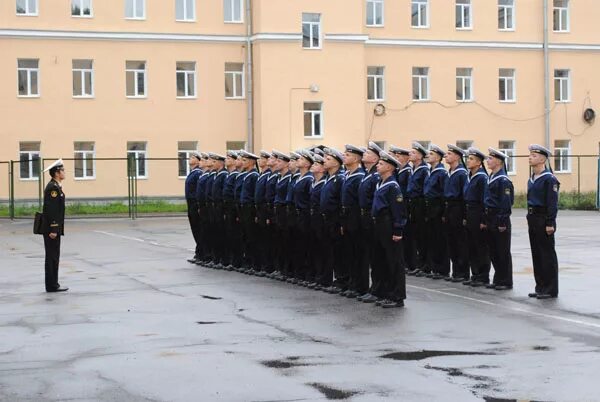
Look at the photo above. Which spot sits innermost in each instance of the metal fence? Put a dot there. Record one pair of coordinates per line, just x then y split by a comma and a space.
132, 183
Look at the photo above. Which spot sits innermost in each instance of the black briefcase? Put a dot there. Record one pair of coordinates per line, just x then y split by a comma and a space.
38, 223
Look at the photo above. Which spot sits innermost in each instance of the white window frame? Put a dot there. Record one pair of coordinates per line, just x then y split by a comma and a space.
28, 12
313, 113
565, 84
234, 74
504, 9
30, 71
137, 153
186, 18
466, 10
187, 153
30, 155
464, 79
422, 79
564, 17
311, 24
136, 72
506, 80
86, 157
378, 83
562, 153
422, 7
511, 153
80, 3
187, 74
134, 5
232, 4
82, 73
372, 6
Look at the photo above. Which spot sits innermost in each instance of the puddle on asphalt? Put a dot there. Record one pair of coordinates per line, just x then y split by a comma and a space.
425, 354
456, 372
333, 393
284, 364
542, 348
209, 322
211, 297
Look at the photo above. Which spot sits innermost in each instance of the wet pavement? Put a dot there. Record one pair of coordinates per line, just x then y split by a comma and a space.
141, 324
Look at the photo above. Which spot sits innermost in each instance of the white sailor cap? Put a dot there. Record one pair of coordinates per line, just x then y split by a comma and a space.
232, 154
437, 150
384, 156
217, 157
497, 154
540, 150
354, 149
248, 155
457, 150
281, 156
294, 156
418, 147
196, 155
265, 154
204, 155
319, 158
309, 156
334, 153
397, 150
55, 165
476, 152
319, 151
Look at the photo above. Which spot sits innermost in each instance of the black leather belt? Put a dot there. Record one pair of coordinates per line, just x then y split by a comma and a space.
537, 210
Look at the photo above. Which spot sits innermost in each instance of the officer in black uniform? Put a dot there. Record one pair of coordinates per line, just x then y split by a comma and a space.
542, 208
232, 235
191, 182
390, 217
54, 224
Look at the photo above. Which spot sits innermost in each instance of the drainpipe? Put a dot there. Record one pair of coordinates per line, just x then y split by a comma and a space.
249, 80
546, 79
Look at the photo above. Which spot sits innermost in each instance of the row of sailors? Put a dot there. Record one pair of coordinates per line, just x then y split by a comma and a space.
355, 223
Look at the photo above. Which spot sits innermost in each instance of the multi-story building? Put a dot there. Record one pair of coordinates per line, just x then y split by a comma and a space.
94, 79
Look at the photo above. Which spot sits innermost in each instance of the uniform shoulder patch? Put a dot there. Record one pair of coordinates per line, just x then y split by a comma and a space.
53, 193
507, 191
555, 188
399, 198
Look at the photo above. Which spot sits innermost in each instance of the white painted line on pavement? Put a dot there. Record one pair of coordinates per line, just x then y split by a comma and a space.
153, 243
519, 310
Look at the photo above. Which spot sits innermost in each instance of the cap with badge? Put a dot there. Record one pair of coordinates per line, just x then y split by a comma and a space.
476, 152
354, 149
265, 154
294, 156
538, 149
309, 156
195, 154
319, 158
418, 147
497, 154
281, 156
384, 156
232, 154
204, 155
437, 150
319, 151
399, 151
334, 153
56, 165
216, 157
457, 150
248, 155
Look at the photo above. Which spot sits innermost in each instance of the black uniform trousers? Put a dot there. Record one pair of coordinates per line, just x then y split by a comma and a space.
203, 213
263, 245
302, 234
248, 220
437, 250
218, 238
282, 241
332, 250
543, 253
229, 216
317, 247
237, 250
456, 238
52, 248
353, 248
388, 258
477, 242
293, 241
194, 219
500, 255
416, 236
365, 261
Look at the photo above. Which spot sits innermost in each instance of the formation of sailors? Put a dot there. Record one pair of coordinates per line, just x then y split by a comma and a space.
356, 223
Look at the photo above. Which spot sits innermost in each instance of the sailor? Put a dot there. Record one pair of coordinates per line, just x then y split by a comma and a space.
282, 243
229, 210
191, 183
237, 241
317, 242
292, 218
248, 209
403, 173
262, 243
301, 203
218, 225
203, 209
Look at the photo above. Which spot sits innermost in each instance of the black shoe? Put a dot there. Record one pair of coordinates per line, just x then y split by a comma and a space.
420, 274
437, 276
192, 260
351, 294
344, 293
449, 278
59, 289
311, 285
490, 286
379, 301
429, 275
261, 274
467, 282
370, 298
534, 294
317, 287
457, 280
543, 296
392, 304
361, 297
218, 266
503, 287
478, 284
413, 272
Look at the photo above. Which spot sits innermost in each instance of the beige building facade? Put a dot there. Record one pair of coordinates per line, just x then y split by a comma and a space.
96, 79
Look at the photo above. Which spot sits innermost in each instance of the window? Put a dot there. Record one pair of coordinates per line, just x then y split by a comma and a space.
81, 8
464, 84
83, 79
506, 15
420, 83
234, 80
28, 73
311, 31
508, 148
562, 86
420, 13
232, 10
562, 161
375, 83
85, 160
185, 10
27, 7
375, 13
313, 119
135, 79
464, 144
463, 14
184, 149
29, 160
506, 85
135, 9
560, 16
186, 79
136, 152
235, 145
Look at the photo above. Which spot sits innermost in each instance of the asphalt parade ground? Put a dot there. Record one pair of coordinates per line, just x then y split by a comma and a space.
139, 323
